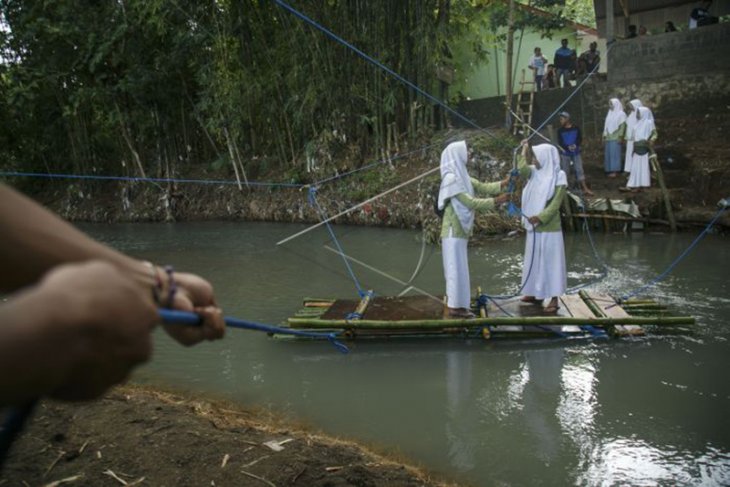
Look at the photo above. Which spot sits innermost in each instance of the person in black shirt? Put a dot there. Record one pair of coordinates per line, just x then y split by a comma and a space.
700, 16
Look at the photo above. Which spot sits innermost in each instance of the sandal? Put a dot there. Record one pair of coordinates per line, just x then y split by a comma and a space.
551, 308
460, 313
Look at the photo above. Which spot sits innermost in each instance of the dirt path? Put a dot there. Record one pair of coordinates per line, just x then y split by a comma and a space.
137, 436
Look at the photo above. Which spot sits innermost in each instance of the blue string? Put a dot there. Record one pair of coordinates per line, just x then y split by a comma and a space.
666, 272
371, 60
320, 211
149, 180
172, 316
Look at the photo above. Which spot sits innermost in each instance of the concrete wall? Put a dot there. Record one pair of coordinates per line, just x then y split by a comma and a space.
699, 51
681, 72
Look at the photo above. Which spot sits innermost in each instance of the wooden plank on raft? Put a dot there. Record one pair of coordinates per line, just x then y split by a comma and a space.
576, 306
609, 307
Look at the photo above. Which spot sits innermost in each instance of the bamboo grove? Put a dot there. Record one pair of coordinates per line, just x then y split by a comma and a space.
160, 88
152, 87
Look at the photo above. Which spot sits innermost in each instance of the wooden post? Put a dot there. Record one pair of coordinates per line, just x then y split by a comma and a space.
610, 29
508, 62
665, 192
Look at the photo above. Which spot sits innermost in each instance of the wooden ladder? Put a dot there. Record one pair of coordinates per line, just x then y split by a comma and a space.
525, 102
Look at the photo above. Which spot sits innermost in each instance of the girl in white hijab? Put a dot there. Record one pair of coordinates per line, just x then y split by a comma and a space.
543, 273
613, 131
456, 199
630, 125
644, 136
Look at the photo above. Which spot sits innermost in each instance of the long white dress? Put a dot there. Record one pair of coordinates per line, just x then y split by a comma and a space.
455, 180
640, 169
630, 125
543, 269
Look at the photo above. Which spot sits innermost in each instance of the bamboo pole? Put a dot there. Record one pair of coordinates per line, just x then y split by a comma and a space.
665, 192
591, 304
479, 322
362, 306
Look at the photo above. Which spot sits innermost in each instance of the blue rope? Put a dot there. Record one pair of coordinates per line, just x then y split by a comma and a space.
377, 63
671, 267
313, 201
172, 316
144, 180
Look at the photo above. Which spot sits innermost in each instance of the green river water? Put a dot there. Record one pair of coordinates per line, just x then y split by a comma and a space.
646, 411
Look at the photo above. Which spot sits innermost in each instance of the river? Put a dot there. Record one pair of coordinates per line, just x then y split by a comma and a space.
646, 411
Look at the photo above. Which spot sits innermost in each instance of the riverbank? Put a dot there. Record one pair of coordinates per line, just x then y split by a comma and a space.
693, 198
141, 436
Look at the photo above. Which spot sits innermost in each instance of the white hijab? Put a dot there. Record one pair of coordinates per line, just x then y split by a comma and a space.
645, 125
454, 180
541, 185
631, 119
614, 118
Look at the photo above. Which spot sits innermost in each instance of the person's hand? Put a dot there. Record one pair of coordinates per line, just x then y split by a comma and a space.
534, 220
504, 182
195, 294
501, 199
101, 328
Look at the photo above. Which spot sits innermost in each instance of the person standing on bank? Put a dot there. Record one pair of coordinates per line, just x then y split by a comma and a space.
634, 105
538, 64
456, 199
614, 129
564, 61
543, 269
569, 140
645, 135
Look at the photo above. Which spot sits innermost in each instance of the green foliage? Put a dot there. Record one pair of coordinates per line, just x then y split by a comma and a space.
148, 85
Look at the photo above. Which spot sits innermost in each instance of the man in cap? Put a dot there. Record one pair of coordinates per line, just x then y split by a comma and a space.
569, 140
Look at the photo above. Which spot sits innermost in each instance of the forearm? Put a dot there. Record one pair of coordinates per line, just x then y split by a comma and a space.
34, 355
487, 189
476, 204
35, 240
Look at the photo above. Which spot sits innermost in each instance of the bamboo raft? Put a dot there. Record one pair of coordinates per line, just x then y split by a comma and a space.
584, 314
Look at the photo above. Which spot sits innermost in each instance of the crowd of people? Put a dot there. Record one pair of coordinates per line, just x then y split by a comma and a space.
566, 66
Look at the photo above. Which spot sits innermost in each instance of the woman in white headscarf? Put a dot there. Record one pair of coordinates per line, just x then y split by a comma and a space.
634, 106
644, 136
456, 199
613, 131
543, 272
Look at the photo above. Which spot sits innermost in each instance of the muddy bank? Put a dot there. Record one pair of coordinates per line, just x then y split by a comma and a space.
140, 436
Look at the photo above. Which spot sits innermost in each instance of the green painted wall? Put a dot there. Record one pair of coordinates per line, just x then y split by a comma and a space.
475, 80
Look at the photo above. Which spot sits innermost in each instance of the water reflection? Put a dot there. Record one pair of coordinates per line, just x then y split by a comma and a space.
636, 412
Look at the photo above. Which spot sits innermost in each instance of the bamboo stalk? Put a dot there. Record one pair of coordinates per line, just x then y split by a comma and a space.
665, 192
360, 310
477, 322
591, 304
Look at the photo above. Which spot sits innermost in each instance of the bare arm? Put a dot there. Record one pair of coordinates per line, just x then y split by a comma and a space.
35, 240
